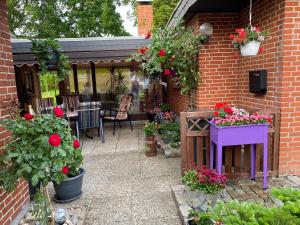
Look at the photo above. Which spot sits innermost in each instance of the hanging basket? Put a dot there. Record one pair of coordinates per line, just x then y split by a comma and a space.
250, 49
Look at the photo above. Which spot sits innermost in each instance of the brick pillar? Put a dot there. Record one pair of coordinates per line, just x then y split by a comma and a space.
10, 203
289, 148
144, 16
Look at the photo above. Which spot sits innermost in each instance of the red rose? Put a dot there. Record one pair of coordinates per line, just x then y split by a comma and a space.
58, 112
65, 170
76, 143
54, 140
167, 72
28, 116
142, 51
162, 53
216, 114
231, 36
228, 110
148, 36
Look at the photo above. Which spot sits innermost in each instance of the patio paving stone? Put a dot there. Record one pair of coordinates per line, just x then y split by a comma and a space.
124, 187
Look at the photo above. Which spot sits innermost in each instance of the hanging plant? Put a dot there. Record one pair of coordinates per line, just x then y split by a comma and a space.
249, 39
48, 52
173, 52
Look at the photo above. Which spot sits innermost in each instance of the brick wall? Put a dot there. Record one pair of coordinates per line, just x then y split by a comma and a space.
10, 204
289, 154
224, 73
144, 17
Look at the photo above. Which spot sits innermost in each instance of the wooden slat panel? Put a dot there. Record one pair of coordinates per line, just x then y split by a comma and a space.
247, 161
207, 152
237, 159
199, 141
190, 153
228, 159
259, 158
270, 152
183, 137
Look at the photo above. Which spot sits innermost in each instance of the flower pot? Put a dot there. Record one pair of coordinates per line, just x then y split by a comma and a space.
69, 189
250, 49
53, 61
202, 201
150, 146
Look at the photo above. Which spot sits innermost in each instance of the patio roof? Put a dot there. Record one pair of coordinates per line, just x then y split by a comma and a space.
185, 7
83, 50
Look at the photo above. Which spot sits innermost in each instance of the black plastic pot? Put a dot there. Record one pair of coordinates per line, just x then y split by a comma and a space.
33, 189
69, 189
53, 61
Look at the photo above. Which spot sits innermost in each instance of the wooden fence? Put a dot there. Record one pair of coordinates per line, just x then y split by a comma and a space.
194, 130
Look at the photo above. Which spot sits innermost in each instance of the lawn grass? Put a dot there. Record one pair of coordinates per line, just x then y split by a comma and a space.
50, 94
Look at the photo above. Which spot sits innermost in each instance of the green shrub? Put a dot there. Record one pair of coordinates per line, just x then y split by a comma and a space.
150, 129
251, 213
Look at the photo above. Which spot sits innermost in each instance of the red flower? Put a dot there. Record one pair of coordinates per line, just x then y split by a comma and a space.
167, 72
260, 50
65, 170
76, 143
228, 110
239, 30
162, 53
142, 51
148, 36
219, 105
216, 113
231, 36
58, 112
28, 116
54, 140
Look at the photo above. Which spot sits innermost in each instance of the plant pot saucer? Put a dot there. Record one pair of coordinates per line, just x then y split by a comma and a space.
54, 198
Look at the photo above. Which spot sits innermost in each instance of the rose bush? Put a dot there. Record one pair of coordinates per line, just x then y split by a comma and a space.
173, 52
41, 150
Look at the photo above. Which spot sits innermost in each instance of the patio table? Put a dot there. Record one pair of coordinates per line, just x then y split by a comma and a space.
240, 135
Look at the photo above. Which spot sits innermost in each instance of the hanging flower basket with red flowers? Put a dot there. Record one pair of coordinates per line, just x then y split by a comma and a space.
248, 40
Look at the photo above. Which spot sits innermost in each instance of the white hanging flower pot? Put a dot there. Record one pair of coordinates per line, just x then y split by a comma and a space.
250, 49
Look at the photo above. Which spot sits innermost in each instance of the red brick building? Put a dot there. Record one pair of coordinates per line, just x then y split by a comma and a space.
225, 73
10, 203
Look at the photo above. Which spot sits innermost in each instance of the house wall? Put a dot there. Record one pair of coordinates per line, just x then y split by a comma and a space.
10, 203
224, 72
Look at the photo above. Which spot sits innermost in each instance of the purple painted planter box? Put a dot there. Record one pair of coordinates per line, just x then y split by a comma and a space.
239, 135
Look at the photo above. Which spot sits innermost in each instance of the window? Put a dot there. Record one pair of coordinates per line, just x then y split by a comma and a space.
103, 83
84, 76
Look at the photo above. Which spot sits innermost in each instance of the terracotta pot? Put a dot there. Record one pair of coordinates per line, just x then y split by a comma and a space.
150, 146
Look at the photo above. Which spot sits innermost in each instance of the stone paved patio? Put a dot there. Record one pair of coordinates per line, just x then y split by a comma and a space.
123, 186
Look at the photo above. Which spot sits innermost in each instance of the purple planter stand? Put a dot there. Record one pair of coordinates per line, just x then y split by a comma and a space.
240, 135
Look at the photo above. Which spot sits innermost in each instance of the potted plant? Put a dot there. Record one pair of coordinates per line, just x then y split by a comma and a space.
49, 54
170, 132
248, 40
150, 144
205, 186
42, 150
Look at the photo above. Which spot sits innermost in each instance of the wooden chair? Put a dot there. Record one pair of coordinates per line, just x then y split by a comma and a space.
72, 101
46, 105
122, 114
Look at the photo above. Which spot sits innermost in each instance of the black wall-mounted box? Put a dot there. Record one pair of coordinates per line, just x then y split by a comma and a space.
258, 81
